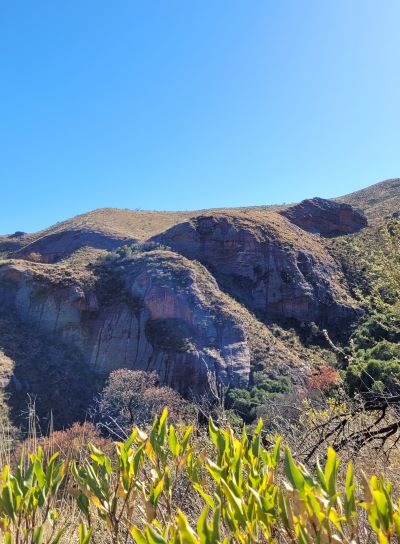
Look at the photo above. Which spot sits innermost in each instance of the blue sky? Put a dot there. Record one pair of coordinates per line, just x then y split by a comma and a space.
186, 105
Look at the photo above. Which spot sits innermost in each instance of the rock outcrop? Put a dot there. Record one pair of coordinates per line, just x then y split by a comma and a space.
153, 311
60, 245
181, 300
266, 262
326, 217
12, 242
105, 229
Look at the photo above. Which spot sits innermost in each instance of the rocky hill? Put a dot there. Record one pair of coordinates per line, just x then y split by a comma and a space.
216, 295
376, 201
274, 268
325, 217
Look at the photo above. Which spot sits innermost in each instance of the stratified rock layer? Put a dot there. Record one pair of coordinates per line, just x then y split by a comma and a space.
154, 311
266, 262
187, 313
326, 217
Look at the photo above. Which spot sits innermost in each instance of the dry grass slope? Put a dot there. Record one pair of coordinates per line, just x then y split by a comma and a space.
136, 224
376, 201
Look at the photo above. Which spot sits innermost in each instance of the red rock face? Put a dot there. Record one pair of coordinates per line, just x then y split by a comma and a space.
269, 265
326, 217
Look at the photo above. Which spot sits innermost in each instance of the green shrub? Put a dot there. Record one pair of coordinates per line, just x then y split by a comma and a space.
246, 401
363, 377
240, 492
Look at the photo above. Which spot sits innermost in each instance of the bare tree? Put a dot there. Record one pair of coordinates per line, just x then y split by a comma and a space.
366, 422
135, 397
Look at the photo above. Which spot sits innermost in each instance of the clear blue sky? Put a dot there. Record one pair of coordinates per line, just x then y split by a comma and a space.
193, 104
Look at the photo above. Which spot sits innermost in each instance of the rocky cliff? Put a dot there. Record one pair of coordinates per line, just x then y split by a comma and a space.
153, 311
268, 263
198, 297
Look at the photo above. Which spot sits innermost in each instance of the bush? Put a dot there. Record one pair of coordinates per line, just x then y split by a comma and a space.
245, 402
363, 377
240, 492
71, 443
136, 397
127, 251
375, 355
323, 378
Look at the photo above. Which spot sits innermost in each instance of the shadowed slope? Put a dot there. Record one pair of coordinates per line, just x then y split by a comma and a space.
155, 310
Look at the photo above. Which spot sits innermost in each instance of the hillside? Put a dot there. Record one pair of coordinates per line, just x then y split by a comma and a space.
376, 201
105, 228
108, 228
274, 268
250, 298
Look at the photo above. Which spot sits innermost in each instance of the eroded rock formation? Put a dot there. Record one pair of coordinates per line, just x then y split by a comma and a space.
326, 217
266, 262
154, 311
186, 312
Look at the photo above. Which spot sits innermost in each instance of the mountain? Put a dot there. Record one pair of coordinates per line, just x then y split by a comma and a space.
105, 228
234, 295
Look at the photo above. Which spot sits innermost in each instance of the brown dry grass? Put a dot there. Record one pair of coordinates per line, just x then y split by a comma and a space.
377, 200
61, 274
134, 224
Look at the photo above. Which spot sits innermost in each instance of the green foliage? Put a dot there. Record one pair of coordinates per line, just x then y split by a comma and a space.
374, 375
377, 327
116, 493
371, 261
28, 501
375, 353
246, 401
127, 251
243, 492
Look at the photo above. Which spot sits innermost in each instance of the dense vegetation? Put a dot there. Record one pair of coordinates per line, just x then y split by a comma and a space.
245, 402
170, 486
371, 262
